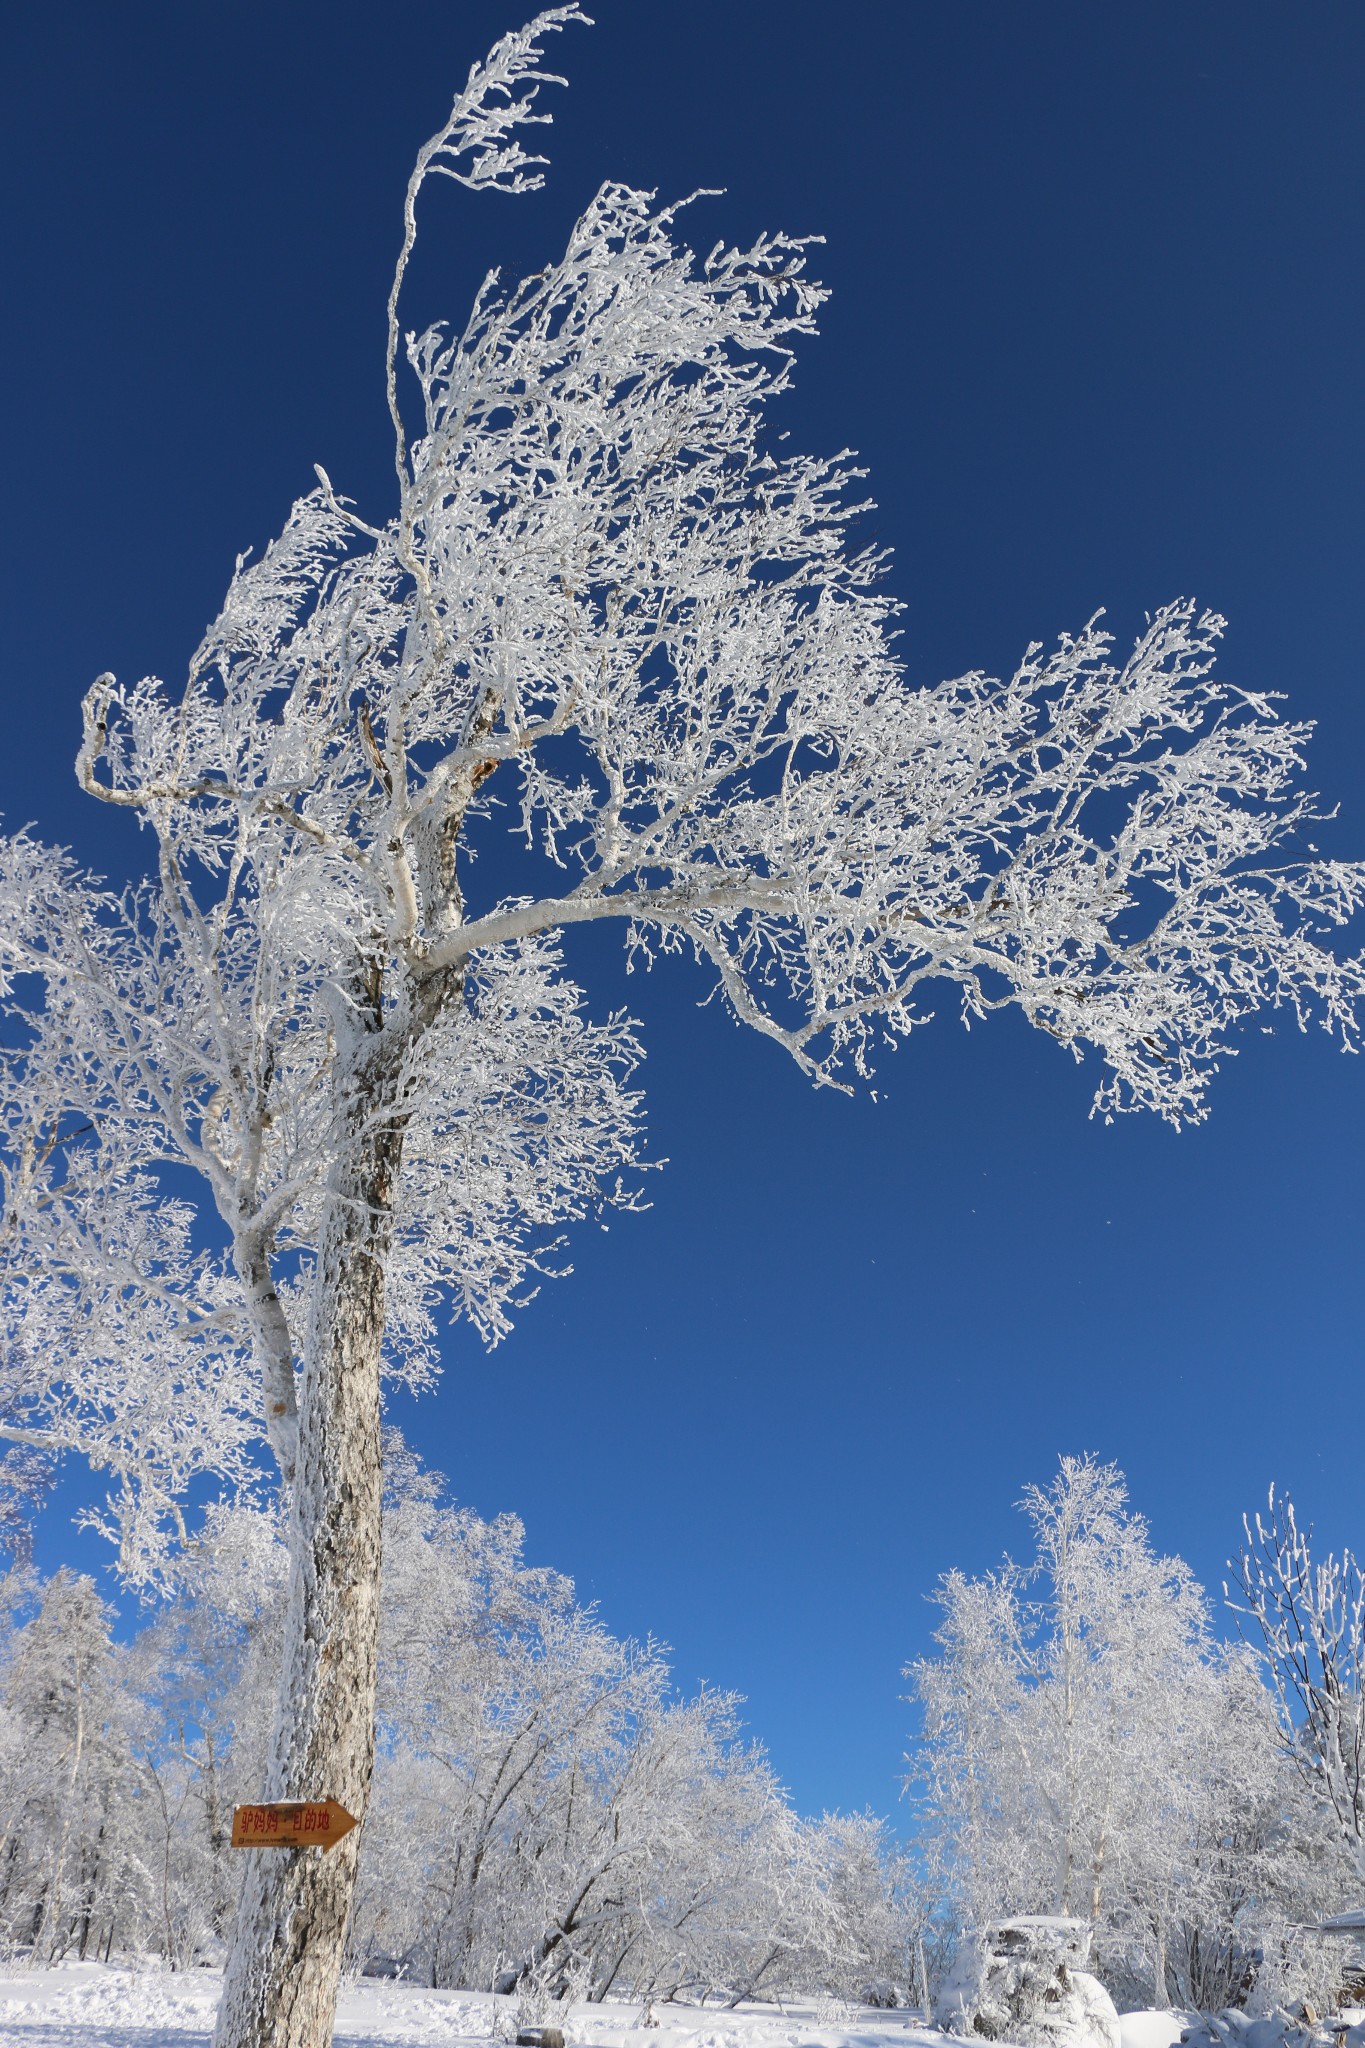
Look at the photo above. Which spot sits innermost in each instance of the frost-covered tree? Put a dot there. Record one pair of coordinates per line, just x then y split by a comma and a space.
549, 1817
1089, 1748
524, 1784
66, 1764
203, 1670
611, 611
1307, 1619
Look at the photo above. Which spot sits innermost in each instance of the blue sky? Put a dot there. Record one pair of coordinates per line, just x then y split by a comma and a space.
1096, 326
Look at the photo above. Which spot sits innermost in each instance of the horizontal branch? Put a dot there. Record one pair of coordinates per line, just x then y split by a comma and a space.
653, 906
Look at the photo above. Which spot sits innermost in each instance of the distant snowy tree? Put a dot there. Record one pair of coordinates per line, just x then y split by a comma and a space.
550, 1817
1307, 1618
1089, 1748
67, 1760
610, 611
203, 1670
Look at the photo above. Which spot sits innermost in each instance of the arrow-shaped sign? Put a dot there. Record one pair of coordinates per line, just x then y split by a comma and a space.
291, 1824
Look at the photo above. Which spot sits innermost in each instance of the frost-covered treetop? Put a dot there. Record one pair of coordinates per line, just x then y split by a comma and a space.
612, 611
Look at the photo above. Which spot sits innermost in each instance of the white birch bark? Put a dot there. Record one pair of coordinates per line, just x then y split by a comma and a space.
287, 1951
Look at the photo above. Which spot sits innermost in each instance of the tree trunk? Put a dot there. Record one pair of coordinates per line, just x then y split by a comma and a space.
1097, 1876
91, 1888
51, 1923
289, 1941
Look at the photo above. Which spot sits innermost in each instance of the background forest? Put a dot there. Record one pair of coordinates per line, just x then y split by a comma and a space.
552, 1817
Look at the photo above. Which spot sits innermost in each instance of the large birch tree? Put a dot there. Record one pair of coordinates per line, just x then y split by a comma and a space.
612, 615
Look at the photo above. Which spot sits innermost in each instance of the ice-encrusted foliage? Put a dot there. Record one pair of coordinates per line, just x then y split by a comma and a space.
610, 605
167, 1028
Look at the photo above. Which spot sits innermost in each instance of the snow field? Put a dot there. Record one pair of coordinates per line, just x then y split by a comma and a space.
91, 2006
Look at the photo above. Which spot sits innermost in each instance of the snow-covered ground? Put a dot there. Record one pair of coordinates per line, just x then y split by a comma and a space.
91, 2006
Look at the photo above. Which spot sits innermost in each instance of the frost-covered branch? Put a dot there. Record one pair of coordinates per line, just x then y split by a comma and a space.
473, 147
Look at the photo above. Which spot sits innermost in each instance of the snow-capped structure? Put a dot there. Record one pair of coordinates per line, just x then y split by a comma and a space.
1024, 1981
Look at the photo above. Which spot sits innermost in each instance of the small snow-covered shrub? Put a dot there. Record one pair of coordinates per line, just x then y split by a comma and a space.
883, 1995
1233, 2029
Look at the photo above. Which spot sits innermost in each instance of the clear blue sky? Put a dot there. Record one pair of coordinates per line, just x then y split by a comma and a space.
1097, 325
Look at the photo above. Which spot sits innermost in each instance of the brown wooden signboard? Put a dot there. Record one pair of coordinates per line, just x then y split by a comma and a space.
291, 1824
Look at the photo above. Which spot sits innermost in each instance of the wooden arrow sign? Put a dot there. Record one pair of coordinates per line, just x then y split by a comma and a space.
291, 1824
